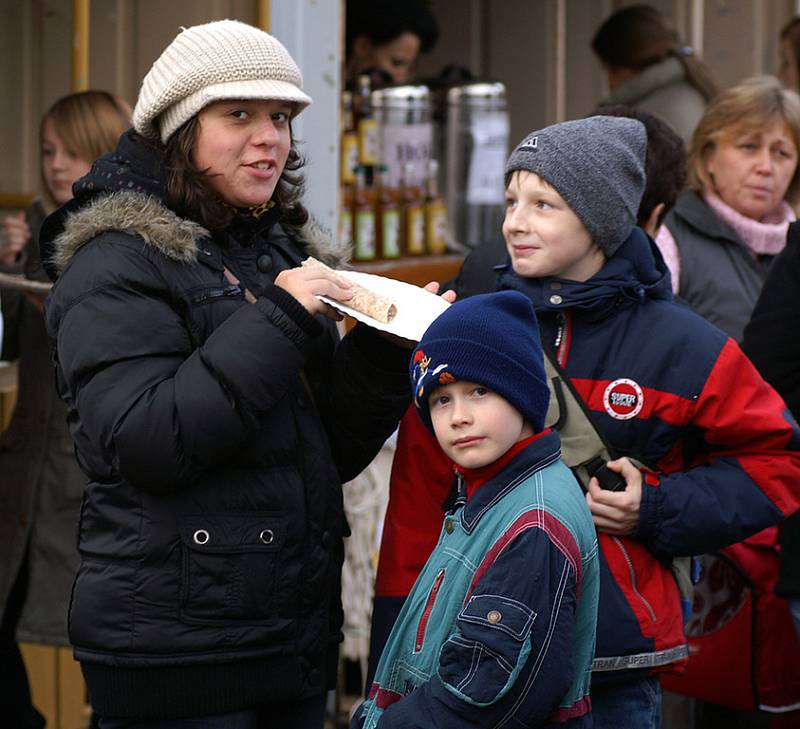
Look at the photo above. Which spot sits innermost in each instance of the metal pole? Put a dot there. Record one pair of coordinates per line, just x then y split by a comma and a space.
80, 45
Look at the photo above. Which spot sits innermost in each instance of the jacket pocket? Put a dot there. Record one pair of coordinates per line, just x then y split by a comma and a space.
229, 566
481, 661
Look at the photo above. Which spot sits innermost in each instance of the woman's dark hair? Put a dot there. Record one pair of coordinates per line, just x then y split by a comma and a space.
791, 34
665, 168
189, 194
384, 20
638, 36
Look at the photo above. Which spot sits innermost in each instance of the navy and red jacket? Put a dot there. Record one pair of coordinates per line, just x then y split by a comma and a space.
664, 386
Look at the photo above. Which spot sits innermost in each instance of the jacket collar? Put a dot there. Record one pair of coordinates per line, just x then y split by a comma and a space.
635, 273
696, 212
656, 76
539, 454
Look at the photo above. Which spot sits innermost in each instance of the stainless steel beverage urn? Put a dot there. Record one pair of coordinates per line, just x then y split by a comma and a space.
406, 131
477, 149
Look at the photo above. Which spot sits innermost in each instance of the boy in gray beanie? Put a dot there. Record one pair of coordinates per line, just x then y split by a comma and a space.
702, 443
596, 167
500, 626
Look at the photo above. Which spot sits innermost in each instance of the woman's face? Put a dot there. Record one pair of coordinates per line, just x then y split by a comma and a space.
60, 166
751, 171
787, 72
243, 145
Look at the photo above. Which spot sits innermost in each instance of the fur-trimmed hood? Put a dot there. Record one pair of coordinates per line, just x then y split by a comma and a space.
175, 237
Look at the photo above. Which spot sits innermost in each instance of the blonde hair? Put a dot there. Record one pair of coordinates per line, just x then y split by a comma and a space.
751, 105
88, 122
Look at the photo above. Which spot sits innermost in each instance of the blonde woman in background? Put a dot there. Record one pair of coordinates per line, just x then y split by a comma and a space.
723, 233
41, 484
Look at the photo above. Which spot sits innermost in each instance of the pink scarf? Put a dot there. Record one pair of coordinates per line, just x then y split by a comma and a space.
765, 237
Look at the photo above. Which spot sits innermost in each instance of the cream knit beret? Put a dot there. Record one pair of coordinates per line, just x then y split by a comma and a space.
225, 59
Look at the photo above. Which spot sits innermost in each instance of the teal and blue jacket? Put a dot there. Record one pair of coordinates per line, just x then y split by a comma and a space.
499, 628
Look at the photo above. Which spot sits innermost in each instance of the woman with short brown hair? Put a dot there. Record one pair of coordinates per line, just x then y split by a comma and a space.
720, 238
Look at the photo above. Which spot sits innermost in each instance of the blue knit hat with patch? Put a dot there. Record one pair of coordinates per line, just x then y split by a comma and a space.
492, 340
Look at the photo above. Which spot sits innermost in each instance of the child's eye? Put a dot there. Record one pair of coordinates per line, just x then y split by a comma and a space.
480, 391
281, 117
543, 205
510, 203
48, 151
439, 401
238, 114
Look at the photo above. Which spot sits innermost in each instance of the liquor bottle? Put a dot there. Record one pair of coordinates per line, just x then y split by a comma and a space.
435, 213
368, 140
364, 218
346, 215
413, 213
389, 223
349, 141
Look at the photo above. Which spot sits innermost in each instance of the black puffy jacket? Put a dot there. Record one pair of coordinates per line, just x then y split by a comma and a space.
215, 434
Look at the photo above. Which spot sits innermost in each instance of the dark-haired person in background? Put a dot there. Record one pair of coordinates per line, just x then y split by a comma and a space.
384, 37
650, 68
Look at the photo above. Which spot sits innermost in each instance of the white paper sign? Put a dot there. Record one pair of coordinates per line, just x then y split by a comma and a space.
406, 143
485, 185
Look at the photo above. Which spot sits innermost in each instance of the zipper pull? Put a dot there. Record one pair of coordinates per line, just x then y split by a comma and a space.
561, 320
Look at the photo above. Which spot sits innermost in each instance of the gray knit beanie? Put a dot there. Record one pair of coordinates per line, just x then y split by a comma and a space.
597, 165
225, 59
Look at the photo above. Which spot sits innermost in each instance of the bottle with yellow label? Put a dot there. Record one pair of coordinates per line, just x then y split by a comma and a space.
435, 213
368, 139
349, 141
365, 233
390, 229
413, 213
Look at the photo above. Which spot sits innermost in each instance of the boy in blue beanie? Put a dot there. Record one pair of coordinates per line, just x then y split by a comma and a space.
718, 452
500, 624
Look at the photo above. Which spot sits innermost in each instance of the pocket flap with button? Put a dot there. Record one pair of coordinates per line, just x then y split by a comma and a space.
232, 532
499, 612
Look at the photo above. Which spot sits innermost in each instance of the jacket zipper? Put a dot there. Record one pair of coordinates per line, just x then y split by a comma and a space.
426, 613
633, 578
563, 337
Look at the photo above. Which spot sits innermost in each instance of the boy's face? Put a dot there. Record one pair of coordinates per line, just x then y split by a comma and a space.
543, 236
474, 425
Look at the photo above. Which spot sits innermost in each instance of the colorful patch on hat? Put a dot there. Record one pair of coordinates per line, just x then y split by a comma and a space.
446, 378
623, 399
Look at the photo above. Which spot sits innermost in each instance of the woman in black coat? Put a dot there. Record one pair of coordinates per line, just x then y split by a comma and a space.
771, 341
214, 411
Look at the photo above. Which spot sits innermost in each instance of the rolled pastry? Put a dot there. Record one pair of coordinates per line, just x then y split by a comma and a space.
374, 305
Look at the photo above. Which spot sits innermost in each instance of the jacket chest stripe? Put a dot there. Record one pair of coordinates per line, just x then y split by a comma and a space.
536, 519
666, 406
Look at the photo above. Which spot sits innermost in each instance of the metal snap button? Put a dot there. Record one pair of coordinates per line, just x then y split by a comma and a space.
555, 299
201, 536
266, 536
494, 616
448, 526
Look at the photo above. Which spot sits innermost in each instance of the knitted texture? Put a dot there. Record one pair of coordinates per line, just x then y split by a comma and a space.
597, 165
491, 340
225, 59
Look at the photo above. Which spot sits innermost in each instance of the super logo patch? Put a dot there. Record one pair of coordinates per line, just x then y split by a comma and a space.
623, 399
